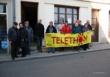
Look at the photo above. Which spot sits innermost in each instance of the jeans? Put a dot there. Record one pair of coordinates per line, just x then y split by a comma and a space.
39, 43
51, 50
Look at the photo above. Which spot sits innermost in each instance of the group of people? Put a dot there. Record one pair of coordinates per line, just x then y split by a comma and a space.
65, 28
21, 35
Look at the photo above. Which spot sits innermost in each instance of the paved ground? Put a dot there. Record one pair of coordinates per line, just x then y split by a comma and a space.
94, 64
35, 54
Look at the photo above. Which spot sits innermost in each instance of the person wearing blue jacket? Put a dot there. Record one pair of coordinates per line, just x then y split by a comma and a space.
77, 27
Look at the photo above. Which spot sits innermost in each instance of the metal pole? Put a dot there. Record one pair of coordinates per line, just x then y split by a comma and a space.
14, 19
14, 15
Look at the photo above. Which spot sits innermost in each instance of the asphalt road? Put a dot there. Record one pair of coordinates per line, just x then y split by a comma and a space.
93, 64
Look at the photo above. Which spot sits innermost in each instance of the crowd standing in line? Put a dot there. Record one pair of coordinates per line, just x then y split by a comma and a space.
21, 38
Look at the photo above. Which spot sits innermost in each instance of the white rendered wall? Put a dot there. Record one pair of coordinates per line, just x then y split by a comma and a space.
104, 25
103, 21
46, 13
85, 14
18, 10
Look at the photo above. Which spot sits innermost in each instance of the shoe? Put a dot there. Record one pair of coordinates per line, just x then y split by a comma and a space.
53, 52
23, 56
16, 56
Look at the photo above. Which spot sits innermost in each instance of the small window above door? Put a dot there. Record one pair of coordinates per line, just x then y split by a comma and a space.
2, 8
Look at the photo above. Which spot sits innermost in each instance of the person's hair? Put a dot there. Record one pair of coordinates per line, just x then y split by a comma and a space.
20, 23
51, 22
66, 21
15, 23
77, 21
26, 21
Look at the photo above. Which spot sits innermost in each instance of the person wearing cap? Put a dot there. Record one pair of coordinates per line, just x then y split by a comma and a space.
13, 36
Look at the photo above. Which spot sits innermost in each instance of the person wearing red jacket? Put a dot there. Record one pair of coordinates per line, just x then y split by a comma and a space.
66, 28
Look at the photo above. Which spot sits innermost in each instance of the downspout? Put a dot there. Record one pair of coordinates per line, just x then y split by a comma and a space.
14, 16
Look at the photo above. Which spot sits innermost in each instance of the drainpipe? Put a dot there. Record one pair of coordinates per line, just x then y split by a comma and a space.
14, 16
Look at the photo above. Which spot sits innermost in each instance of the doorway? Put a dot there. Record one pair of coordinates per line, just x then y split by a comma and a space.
29, 11
109, 27
3, 33
95, 24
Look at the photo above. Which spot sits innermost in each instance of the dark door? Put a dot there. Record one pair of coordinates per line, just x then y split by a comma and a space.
95, 24
29, 11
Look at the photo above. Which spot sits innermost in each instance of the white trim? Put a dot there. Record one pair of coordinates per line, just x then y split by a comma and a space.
3, 13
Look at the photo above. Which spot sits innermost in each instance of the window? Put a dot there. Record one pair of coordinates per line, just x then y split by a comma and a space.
69, 11
2, 8
69, 19
3, 27
63, 13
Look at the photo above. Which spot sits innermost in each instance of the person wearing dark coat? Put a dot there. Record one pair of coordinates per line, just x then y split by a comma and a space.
39, 35
87, 27
23, 34
30, 36
13, 36
51, 29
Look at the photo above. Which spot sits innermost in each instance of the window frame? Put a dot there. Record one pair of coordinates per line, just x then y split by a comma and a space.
66, 14
4, 4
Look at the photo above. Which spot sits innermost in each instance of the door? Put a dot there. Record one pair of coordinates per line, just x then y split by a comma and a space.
109, 26
29, 11
95, 25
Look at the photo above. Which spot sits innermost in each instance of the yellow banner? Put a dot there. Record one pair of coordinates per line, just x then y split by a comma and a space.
67, 40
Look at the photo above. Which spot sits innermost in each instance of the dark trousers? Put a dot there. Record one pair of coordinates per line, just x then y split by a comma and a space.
24, 52
27, 48
14, 50
39, 43
51, 50
85, 47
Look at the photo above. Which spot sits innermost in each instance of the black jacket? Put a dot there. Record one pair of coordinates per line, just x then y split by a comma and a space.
13, 35
54, 29
23, 35
39, 30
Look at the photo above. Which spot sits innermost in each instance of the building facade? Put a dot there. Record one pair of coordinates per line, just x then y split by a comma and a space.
96, 11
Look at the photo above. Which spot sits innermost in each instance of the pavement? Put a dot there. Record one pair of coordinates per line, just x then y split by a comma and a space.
36, 55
